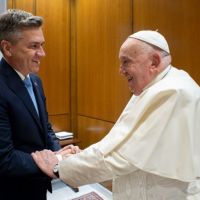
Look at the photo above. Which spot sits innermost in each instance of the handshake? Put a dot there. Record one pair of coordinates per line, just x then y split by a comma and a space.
46, 160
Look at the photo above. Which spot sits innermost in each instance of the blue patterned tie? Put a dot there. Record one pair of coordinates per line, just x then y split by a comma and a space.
29, 87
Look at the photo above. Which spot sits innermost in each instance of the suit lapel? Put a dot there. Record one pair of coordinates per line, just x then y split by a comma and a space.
40, 102
15, 83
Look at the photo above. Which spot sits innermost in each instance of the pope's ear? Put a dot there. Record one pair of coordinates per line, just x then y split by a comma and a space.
6, 46
155, 62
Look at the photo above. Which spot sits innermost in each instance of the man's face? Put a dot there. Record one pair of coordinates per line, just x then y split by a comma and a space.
25, 55
135, 65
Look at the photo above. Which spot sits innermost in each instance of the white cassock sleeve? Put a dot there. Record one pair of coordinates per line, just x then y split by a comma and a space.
90, 166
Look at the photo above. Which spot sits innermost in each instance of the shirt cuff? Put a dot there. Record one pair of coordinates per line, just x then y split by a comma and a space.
59, 157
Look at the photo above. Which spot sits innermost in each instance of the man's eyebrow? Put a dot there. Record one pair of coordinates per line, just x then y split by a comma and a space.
36, 42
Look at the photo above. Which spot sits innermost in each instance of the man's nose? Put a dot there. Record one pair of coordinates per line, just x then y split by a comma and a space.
41, 52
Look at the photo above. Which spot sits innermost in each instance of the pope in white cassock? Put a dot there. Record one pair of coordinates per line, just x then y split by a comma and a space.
153, 150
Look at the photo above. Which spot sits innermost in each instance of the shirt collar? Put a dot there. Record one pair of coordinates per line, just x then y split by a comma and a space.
159, 77
21, 75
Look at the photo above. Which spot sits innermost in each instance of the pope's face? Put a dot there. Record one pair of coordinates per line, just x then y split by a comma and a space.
134, 65
26, 53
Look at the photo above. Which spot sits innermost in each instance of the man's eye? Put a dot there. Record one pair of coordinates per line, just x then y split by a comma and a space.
35, 46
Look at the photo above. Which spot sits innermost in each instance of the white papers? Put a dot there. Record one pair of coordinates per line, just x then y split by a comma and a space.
64, 135
63, 192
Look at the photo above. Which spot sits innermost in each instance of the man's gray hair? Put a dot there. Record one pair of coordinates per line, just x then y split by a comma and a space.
14, 20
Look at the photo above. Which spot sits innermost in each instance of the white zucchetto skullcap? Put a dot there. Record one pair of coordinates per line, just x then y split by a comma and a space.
153, 38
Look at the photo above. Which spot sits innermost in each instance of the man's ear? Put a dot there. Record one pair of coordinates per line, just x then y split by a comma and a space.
156, 59
6, 48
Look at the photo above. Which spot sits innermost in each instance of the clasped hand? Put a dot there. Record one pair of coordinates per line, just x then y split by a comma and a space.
46, 159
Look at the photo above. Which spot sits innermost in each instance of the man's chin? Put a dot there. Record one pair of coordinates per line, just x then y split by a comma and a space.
131, 89
35, 70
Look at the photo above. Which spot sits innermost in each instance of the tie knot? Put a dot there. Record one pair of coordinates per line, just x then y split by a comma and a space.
27, 82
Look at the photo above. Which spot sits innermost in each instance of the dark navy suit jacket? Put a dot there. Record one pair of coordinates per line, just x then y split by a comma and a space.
22, 132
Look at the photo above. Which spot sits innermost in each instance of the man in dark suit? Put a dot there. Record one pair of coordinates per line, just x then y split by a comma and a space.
24, 126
